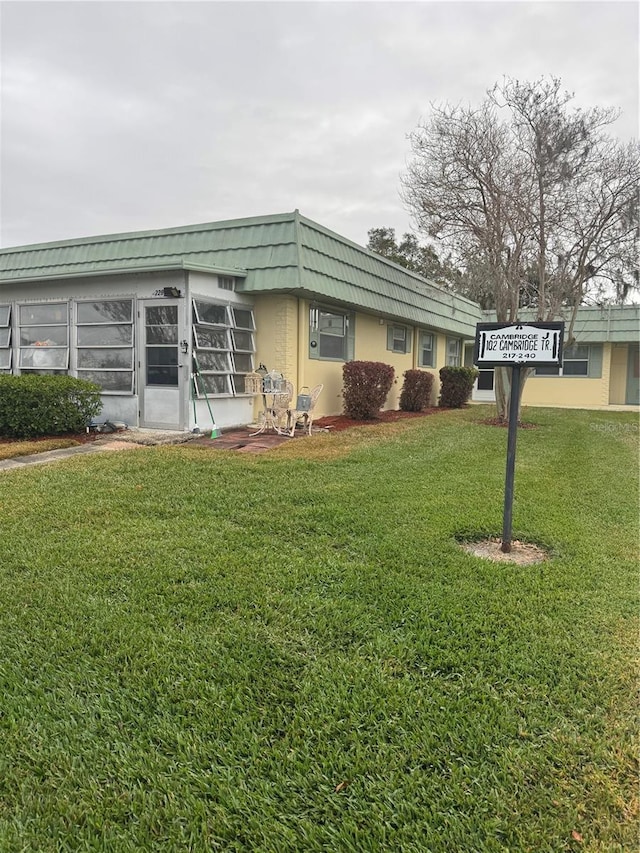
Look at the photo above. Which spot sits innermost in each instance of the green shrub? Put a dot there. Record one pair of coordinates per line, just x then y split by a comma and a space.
416, 390
33, 405
456, 385
365, 388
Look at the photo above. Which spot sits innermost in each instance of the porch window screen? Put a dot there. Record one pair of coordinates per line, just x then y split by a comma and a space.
104, 332
5, 338
224, 345
44, 338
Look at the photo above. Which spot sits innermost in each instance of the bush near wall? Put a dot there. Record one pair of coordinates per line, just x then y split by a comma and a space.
365, 388
33, 405
456, 385
416, 390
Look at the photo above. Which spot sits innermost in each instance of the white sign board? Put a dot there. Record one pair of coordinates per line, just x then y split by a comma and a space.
528, 344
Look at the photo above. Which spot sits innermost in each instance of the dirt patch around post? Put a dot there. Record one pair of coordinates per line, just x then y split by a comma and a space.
522, 553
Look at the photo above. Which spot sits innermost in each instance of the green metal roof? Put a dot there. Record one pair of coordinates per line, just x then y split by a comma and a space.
282, 252
613, 323
218, 246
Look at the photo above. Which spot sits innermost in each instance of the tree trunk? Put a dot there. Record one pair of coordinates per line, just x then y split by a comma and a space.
502, 389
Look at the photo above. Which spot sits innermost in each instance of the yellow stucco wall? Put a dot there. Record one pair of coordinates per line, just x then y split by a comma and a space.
282, 343
562, 391
371, 345
569, 391
618, 383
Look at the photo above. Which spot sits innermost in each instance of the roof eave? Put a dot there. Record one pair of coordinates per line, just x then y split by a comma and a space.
130, 270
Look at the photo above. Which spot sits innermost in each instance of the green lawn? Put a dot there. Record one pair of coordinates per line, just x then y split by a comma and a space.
207, 651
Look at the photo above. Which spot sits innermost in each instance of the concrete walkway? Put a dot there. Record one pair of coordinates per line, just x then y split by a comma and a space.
126, 440
239, 440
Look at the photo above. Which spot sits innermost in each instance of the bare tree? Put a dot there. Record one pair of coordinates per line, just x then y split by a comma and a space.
536, 204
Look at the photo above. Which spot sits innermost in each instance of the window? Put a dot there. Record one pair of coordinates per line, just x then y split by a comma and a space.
226, 282
453, 352
5, 339
161, 332
547, 370
104, 337
243, 318
485, 380
577, 360
224, 345
44, 338
425, 351
330, 335
398, 339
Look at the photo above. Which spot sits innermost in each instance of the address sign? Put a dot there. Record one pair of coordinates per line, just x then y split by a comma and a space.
503, 344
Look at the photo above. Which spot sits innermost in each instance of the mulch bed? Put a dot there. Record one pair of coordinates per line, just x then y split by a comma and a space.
336, 423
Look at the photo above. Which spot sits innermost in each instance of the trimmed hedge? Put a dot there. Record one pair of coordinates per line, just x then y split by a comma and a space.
33, 405
456, 385
365, 388
416, 390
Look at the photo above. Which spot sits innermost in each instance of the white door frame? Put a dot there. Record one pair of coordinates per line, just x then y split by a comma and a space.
162, 404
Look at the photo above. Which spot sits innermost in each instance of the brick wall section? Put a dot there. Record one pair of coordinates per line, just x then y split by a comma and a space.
285, 336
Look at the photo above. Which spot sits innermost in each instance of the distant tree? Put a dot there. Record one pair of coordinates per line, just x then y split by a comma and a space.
535, 203
410, 254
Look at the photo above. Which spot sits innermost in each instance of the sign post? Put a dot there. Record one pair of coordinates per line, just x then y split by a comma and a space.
511, 459
516, 346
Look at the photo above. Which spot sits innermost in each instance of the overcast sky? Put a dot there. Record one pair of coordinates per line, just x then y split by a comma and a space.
124, 116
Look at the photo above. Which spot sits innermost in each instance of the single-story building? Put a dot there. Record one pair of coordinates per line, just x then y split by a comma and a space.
600, 368
128, 311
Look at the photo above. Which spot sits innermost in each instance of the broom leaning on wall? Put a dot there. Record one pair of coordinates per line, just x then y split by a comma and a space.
195, 375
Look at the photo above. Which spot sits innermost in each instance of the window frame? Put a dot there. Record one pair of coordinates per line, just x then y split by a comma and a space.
397, 333
6, 348
27, 352
593, 362
451, 359
89, 373
317, 333
421, 348
570, 356
233, 331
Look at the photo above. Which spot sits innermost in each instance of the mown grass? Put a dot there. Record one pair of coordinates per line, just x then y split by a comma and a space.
289, 652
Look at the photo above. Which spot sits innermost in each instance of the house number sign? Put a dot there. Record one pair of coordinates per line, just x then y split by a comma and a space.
529, 344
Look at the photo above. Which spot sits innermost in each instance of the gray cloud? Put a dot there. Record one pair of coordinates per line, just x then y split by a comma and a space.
124, 116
